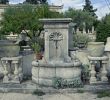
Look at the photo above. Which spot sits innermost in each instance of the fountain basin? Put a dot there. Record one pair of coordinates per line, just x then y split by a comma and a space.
44, 73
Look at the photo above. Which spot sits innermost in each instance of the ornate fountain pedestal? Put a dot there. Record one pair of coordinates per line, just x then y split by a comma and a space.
56, 62
102, 71
12, 69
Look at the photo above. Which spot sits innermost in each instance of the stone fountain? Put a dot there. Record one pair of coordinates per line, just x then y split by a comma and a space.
56, 61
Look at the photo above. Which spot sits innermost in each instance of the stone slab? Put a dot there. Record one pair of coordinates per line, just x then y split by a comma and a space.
29, 87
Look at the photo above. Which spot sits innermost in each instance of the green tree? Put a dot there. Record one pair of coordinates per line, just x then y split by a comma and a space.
80, 17
89, 8
36, 1
4, 1
26, 17
15, 19
103, 29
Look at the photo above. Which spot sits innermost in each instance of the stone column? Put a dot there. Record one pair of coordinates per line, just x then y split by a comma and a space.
6, 78
20, 69
88, 31
93, 73
46, 46
104, 72
107, 50
84, 28
77, 30
16, 72
84, 31
92, 29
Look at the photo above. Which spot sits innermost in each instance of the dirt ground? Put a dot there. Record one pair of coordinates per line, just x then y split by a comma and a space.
59, 96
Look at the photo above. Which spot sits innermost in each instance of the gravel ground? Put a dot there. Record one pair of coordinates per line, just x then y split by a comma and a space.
64, 96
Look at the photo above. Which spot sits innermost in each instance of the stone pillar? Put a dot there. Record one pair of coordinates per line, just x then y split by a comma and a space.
107, 50
6, 78
16, 72
77, 30
71, 35
56, 39
92, 29
104, 72
46, 46
93, 73
88, 31
84, 30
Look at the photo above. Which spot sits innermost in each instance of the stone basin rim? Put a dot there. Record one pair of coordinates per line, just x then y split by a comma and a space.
95, 43
45, 20
61, 65
8, 43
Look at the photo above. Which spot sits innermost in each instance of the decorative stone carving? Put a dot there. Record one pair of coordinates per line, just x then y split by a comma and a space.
56, 37
56, 61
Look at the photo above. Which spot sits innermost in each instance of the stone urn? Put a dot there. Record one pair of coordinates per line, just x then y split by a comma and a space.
96, 49
9, 48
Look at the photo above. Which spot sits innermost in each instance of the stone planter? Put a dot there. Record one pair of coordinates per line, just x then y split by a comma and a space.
38, 56
95, 49
8, 49
81, 45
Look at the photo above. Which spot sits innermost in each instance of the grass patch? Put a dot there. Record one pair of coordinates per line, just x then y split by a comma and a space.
38, 92
102, 94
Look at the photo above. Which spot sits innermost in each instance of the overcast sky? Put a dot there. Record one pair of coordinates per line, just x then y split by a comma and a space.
102, 6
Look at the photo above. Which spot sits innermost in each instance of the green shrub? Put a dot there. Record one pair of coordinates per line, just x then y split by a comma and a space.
38, 92
62, 83
103, 94
57, 82
85, 74
81, 38
103, 29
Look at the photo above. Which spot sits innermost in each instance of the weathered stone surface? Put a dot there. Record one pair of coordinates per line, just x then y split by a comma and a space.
27, 64
96, 49
107, 50
56, 61
61, 27
12, 69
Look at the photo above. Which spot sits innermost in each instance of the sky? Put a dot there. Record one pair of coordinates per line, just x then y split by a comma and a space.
103, 6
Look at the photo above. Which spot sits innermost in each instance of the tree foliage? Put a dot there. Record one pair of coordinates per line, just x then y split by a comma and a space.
3, 1
89, 8
80, 17
17, 18
103, 29
36, 1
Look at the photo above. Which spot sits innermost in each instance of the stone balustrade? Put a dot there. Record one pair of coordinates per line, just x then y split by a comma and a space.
102, 72
12, 69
